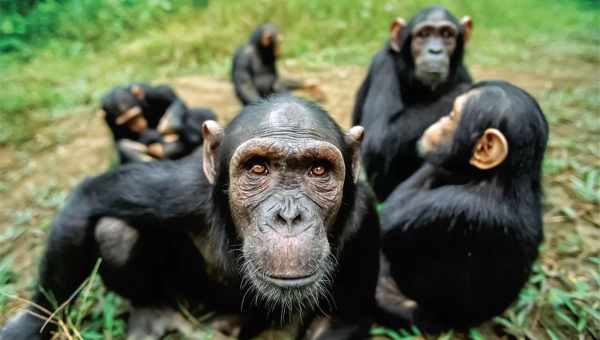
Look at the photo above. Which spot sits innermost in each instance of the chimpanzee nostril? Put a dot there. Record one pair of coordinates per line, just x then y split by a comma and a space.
289, 217
435, 50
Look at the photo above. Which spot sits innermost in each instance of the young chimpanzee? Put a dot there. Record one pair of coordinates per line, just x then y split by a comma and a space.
269, 222
152, 122
411, 83
462, 233
254, 71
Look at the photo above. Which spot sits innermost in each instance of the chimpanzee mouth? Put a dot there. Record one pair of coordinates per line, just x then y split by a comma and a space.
291, 282
289, 296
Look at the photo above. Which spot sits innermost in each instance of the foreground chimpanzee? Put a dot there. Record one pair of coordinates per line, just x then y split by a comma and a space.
462, 233
254, 70
152, 122
269, 219
411, 83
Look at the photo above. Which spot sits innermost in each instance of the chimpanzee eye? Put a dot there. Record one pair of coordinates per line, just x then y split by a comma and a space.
423, 34
446, 34
257, 167
318, 170
259, 170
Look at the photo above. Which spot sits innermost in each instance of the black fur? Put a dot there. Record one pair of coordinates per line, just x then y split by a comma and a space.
170, 204
254, 69
158, 100
461, 241
395, 109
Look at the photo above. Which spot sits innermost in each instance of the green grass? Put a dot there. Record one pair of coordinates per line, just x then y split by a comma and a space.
58, 59
72, 51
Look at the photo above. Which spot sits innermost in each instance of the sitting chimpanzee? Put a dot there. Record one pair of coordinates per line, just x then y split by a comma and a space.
411, 83
270, 213
152, 122
462, 233
254, 71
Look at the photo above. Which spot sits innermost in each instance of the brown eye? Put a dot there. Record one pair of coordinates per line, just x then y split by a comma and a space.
318, 171
447, 34
259, 170
423, 34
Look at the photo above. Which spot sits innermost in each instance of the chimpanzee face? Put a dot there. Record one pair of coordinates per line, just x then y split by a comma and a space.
438, 137
272, 39
128, 109
286, 185
482, 147
433, 43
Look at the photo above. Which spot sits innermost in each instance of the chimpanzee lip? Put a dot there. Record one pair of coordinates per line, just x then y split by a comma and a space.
291, 281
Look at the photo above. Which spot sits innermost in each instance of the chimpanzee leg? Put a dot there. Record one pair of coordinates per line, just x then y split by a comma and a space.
155, 270
68, 259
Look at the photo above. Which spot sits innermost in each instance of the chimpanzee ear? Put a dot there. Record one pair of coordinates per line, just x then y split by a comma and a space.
467, 24
213, 136
138, 91
266, 39
396, 32
354, 137
490, 151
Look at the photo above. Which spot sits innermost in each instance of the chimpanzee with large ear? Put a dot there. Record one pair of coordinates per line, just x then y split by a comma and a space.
410, 84
270, 219
254, 70
152, 122
462, 233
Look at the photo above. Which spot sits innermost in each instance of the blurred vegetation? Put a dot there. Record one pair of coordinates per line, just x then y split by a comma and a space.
58, 56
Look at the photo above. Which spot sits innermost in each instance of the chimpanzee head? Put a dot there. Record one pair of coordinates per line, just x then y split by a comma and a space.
267, 39
122, 105
431, 45
494, 129
287, 173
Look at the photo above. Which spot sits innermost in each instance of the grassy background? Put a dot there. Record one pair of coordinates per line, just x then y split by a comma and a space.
58, 56
65, 53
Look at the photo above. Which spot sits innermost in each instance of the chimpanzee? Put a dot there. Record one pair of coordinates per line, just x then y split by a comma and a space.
411, 83
254, 70
152, 122
269, 219
461, 234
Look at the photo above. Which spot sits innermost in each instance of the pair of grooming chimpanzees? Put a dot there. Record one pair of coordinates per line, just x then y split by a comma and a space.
272, 222
460, 234
152, 122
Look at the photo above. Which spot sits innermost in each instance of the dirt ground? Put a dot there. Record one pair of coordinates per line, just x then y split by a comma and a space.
78, 145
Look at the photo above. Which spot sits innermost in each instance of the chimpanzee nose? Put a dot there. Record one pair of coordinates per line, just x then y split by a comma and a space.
435, 50
289, 215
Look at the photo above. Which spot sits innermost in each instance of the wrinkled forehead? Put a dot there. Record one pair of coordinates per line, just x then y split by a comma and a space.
288, 122
437, 18
290, 151
287, 131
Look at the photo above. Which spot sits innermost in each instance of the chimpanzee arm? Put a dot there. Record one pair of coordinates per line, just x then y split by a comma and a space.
442, 209
419, 181
173, 150
174, 118
242, 77
151, 193
359, 101
131, 151
149, 136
